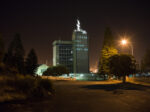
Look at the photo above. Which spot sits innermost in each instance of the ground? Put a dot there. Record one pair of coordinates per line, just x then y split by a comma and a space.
88, 96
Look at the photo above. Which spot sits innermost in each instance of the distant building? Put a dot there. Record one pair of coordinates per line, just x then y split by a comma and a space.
73, 54
80, 50
63, 54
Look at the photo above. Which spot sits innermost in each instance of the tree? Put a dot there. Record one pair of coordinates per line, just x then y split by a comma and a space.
1, 49
56, 70
108, 38
107, 51
122, 65
49, 72
60, 69
145, 63
31, 62
15, 56
1, 54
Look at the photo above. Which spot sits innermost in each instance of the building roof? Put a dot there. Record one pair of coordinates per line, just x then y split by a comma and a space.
61, 42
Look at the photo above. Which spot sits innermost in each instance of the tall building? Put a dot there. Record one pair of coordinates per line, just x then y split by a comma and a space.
63, 54
73, 54
80, 50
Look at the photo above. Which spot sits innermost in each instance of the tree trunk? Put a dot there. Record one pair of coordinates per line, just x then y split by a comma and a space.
104, 77
124, 79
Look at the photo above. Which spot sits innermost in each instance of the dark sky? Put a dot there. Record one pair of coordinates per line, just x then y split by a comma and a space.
42, 22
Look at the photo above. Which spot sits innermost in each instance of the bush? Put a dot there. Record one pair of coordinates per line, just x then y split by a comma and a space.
42, 88
2, 66
56, 71
28, 86
46, 84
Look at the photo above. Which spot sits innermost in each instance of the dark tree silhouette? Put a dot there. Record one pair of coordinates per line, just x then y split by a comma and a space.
107, 51
1, 49
108, 38
122, 65
15, 56
56, 70
31, 62
1, 54
145, 63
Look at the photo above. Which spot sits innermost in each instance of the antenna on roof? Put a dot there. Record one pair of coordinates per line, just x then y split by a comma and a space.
78, 25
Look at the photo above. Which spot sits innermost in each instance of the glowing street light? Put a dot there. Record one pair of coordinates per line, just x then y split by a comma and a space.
125, 42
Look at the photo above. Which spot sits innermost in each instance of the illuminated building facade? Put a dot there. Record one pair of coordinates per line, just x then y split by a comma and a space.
73, 54
63, 54
80, 50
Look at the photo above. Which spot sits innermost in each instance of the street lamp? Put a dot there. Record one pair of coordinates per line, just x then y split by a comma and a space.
125, 42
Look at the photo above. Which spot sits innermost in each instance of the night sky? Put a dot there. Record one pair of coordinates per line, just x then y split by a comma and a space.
42, 22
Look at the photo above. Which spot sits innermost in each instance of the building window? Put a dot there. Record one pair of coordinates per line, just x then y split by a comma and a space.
85, 49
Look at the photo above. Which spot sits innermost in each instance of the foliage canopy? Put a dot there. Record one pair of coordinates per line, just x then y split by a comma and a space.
15, 55
56, 70
145, 63
31, 62
107, 51
1, 49
122, 65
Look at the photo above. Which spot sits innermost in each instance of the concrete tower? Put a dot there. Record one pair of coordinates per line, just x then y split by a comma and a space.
80, 50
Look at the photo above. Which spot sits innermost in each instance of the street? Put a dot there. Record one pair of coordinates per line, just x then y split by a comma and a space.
89, 96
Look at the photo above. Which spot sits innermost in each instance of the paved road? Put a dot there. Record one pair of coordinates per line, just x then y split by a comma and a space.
73, 96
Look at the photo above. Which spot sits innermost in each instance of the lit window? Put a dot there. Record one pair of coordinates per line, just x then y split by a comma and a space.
85, 49
79, 49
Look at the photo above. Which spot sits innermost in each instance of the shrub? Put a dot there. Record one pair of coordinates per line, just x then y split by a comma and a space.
24, 84
56, 71
42, 88
2, 66
46, 84
28, 86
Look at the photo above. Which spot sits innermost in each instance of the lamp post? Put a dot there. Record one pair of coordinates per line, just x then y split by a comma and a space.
125, 42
